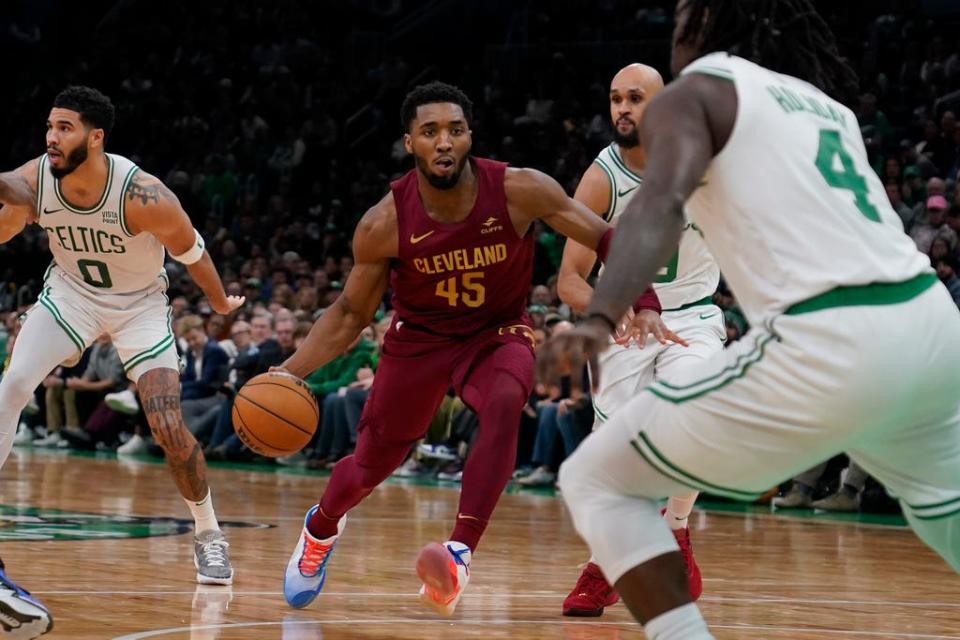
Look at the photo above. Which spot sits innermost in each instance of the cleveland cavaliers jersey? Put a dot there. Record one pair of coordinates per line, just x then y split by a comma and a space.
791, 207
691, 274
93, 246
455, 279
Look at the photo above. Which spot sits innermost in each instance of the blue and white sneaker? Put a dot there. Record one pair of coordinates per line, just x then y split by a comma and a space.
445, 572
307, 568
22, 617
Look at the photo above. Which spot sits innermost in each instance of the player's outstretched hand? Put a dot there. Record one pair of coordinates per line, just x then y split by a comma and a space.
648, 322
229, 304
566, 353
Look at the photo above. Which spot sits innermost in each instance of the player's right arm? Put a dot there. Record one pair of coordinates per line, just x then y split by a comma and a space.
579, 260
18, 194
375, 243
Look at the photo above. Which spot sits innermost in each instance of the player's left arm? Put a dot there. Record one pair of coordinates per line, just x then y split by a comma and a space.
155, 209
532, 194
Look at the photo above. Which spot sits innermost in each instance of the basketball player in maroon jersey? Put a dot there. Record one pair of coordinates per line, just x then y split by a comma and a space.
452, 239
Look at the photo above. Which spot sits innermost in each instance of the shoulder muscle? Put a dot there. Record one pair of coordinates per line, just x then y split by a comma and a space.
594, 189
376, 236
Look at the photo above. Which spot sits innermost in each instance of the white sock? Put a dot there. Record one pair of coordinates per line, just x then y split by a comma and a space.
203, 516
682, 623
679, 509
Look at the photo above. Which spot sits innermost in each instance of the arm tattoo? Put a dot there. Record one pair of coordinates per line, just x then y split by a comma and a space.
160, 394
148, 192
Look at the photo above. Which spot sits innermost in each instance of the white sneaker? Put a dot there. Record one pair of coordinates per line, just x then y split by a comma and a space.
52, 439
445, 572
307, 568
135, 446
24, 435
123, 402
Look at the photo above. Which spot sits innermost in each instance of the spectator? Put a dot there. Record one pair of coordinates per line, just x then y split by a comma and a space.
896, 201
924, 233
204, 372
104, 373
947, 272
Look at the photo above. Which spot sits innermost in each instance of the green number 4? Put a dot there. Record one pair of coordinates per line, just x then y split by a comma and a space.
847, 178
102, 281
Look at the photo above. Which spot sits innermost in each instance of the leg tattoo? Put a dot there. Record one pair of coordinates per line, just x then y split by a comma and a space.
160, 394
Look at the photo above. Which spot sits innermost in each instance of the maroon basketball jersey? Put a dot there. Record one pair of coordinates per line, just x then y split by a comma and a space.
460, 278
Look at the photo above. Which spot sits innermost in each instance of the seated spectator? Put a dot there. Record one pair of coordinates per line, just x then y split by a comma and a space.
947, 272
204, 372
330, 384
104, 373
61, 402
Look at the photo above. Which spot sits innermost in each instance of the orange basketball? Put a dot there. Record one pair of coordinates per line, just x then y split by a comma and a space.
275, 414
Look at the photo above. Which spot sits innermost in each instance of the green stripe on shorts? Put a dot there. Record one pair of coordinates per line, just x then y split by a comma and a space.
658, 461
44, 299
683, 393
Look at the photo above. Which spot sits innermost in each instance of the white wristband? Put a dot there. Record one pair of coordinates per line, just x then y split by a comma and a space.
194, 253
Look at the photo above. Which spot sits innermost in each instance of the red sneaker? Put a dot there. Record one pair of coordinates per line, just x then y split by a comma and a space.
591, 594
694, 579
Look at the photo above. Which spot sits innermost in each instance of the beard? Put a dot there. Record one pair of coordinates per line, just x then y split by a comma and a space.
71, 161
626, 140
443, 183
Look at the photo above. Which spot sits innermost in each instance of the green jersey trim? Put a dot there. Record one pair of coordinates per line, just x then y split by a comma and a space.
49, 305
123, 200
716, 72
612, 206
40, 168
103, 196
698, 303
876, 293
615, 154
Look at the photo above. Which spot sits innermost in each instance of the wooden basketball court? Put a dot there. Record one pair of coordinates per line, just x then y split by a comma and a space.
67, 532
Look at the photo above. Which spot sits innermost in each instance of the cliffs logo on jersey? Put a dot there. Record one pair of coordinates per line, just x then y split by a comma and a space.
31, 524
490, 225
111, 217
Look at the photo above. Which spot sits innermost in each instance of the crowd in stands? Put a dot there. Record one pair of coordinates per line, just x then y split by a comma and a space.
277, 128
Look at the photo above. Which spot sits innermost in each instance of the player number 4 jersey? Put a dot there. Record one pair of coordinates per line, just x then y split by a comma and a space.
790, 207
93, 246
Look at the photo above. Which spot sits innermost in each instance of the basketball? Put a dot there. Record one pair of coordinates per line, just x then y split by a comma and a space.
275, 414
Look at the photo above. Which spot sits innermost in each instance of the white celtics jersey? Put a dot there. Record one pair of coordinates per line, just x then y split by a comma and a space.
791, 207
93, 245
692, 274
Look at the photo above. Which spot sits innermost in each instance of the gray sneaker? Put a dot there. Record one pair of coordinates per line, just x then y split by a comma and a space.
211, 558
839, 501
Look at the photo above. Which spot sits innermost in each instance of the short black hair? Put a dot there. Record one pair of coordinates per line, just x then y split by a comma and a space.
431, 93
95, 109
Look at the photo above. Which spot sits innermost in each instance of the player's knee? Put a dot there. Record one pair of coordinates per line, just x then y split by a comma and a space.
506, 394
576, 483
